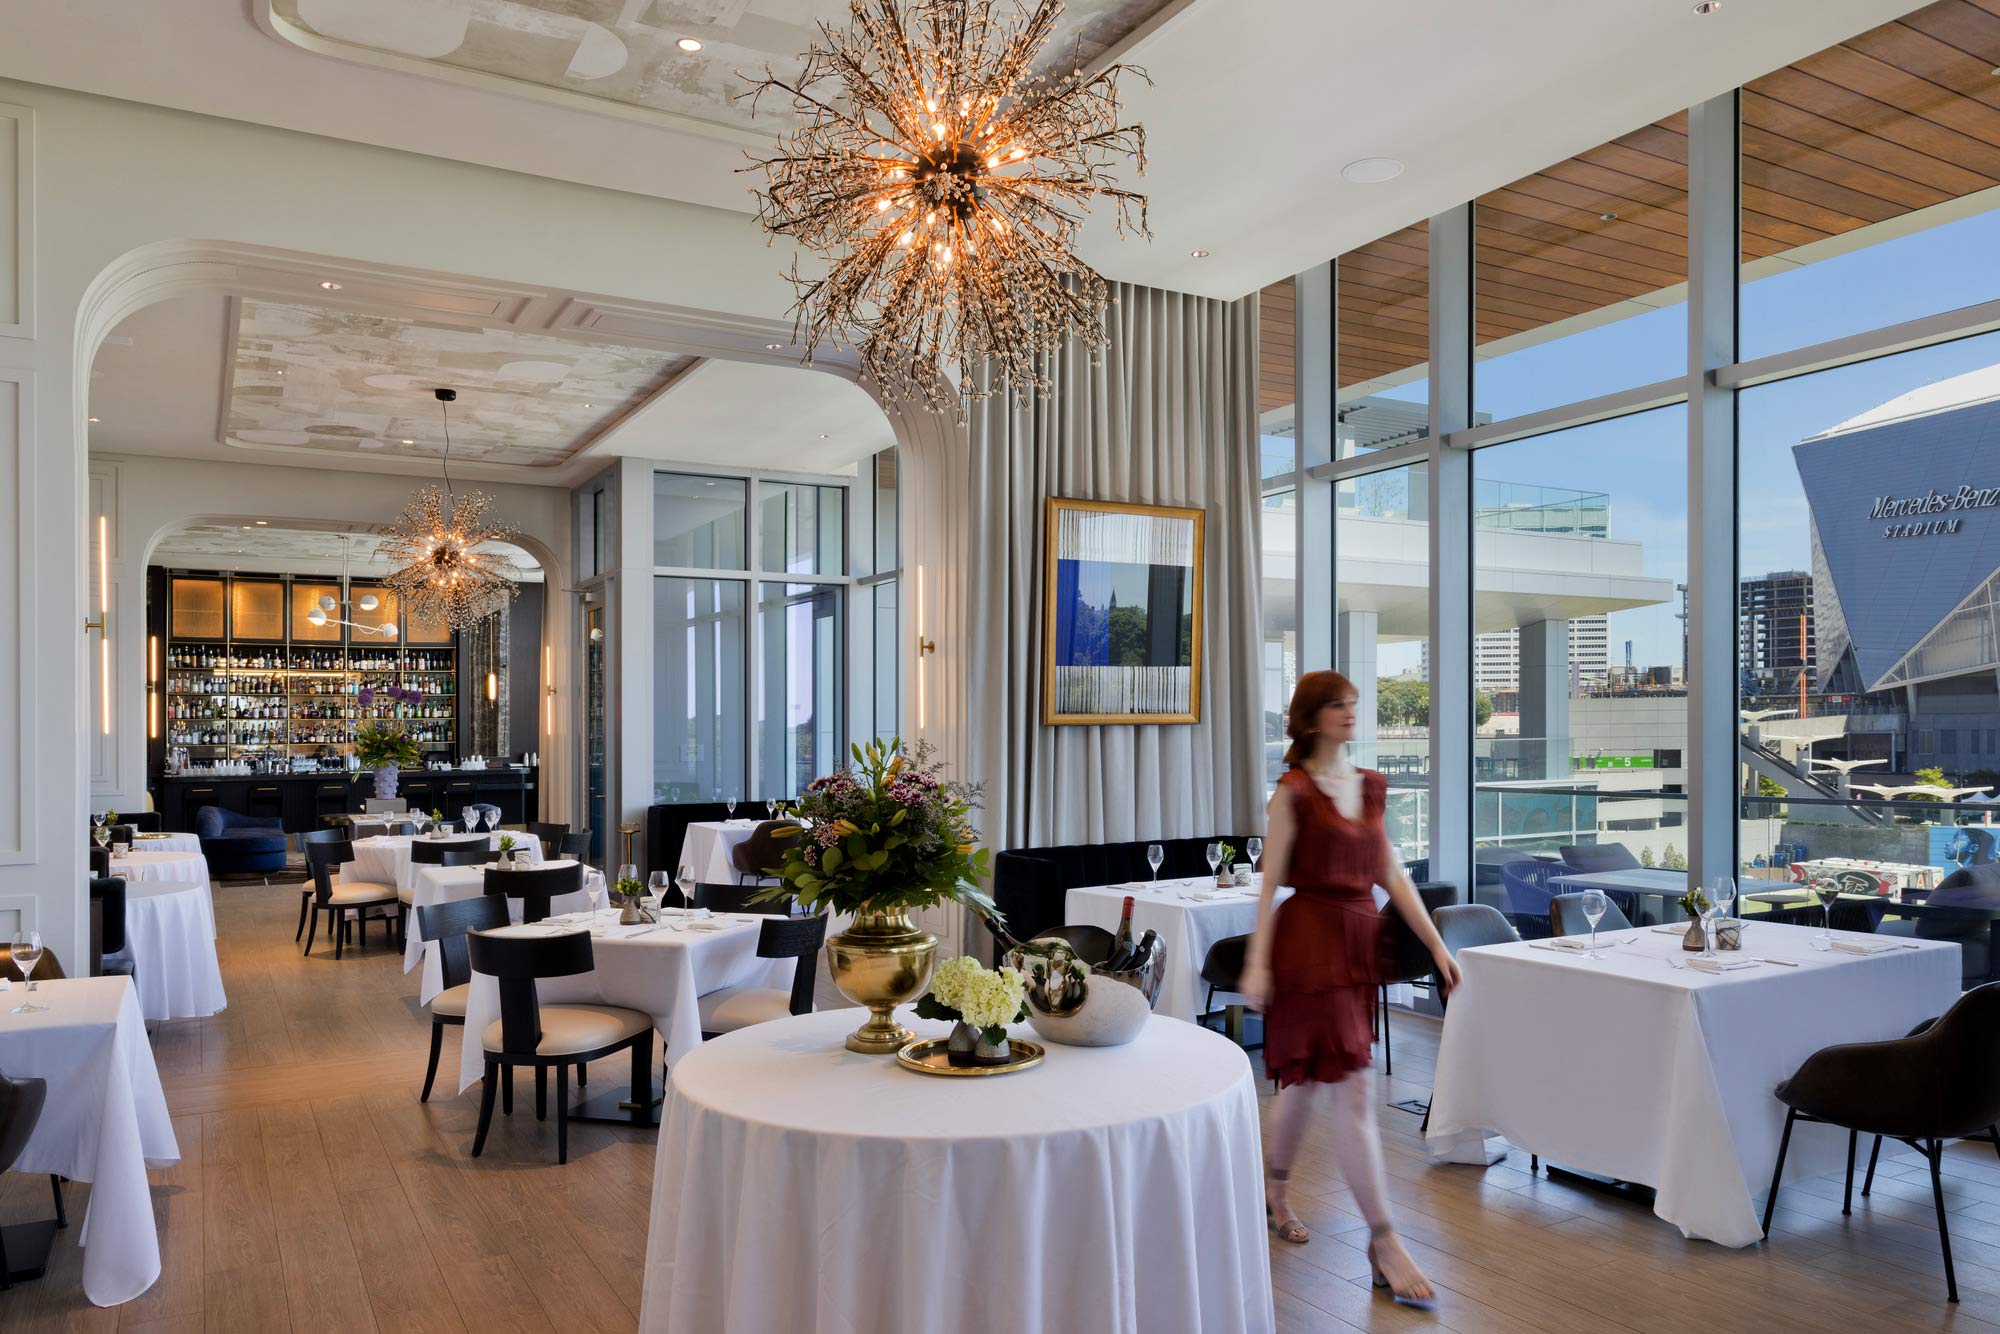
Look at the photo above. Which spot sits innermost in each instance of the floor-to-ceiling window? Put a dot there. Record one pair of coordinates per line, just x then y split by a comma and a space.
1277, 418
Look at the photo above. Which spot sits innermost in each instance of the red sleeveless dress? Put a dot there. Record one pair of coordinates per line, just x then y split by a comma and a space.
1325, 963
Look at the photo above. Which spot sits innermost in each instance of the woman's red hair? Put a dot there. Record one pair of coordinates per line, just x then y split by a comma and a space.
1315, 691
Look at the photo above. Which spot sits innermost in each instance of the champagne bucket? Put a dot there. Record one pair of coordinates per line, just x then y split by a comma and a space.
1104, 1009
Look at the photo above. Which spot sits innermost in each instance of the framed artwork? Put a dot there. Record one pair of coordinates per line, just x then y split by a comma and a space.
1122, 613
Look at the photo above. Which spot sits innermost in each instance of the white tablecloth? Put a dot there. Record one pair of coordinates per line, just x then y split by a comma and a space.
105, 1121
167, 843
1633, 1069
385, 859
707, 845
170, 931
662, 971
443, 884
1112, 1189
151, 867
1188, 919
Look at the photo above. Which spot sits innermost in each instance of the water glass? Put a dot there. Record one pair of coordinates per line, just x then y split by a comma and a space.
657, 885
729, 804
468, 820
771, 809
1827, 890
1255, 847
28, 953
1214, 853
492, 820
685, 879
1155, 855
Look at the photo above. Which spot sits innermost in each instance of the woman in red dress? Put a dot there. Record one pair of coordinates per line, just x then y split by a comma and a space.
1313, 966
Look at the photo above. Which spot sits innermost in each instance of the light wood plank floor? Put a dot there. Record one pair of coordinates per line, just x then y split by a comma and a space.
316, 1193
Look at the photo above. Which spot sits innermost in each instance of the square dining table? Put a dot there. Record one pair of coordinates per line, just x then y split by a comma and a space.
1190, 916
1638, 1067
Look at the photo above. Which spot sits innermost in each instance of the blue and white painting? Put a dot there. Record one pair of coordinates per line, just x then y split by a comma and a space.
1124, 607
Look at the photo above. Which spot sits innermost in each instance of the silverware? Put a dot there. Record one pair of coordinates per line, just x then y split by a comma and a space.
1782, 963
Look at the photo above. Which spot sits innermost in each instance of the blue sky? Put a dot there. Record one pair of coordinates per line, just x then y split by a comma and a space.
1641, 460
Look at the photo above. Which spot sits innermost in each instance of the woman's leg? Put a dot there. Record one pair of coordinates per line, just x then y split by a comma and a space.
1357, 1144
1288, 1131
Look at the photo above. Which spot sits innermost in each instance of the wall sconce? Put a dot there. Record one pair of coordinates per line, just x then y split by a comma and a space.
102, 623
925, 648
492, 687
152, 685
548, 690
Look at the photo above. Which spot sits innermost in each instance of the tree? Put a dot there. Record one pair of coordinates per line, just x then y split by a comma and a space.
1402, 701
1646, 857
1482, 708
1770, 787
1672, 860
1931, 777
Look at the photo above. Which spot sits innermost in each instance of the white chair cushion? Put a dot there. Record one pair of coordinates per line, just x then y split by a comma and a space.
732, 1008
406, 895
347, 893
451, 1001
573, 1028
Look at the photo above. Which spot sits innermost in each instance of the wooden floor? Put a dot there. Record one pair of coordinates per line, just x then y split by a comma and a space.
316, 1193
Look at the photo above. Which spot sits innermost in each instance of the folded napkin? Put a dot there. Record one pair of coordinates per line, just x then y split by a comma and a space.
1720, 965
1578, 942
1866, 946
1680, 930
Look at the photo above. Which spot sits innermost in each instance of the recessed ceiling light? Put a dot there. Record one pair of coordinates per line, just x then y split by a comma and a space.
822, 435
1197, 254
586, 405
1607, 217
1708, 6
244, 526
1372, 170
409, 442
688, 44
263, 523
774, 347
93, 419
330, 285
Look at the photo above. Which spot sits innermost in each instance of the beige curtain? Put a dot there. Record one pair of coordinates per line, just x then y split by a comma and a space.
1167, 416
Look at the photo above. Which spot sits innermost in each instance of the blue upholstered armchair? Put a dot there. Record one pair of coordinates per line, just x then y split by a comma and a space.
237, 844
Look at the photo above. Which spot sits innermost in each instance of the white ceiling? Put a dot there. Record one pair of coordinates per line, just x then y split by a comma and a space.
731, 414
261, 548
1254, 110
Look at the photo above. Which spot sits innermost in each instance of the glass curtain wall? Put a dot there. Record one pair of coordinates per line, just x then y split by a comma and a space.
1863, 617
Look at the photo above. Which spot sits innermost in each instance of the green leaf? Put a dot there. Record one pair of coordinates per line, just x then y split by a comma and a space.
830, 860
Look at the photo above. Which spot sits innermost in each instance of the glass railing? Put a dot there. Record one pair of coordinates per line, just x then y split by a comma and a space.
1558, 511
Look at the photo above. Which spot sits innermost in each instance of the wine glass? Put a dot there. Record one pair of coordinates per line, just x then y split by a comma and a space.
1721, 897
492, 821
1155, 854
1214, 854
729, 804
685, 879
1255, 847
657, 885
1826, 889
771, 809
469, 820
1594, 907
28, 953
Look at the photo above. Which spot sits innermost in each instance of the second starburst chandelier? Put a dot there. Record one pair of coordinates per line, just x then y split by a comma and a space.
943, 179
441, 562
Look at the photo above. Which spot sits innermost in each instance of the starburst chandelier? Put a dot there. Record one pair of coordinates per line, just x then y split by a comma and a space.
435, 547
944, 181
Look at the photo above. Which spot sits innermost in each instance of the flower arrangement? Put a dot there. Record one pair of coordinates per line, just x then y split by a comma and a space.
384, 744
629, 889
1694, 903
988, 999
884, 834
507, 845
437, 815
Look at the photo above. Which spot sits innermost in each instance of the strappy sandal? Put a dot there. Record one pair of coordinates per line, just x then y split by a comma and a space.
1286, 1228
1380, 1280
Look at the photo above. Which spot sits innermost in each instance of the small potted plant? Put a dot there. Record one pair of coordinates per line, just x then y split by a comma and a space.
1694, 903
980, 1002
630, 892
1225, 869
507, 851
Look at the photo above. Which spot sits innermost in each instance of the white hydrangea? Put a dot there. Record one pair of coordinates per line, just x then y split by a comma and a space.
983, 997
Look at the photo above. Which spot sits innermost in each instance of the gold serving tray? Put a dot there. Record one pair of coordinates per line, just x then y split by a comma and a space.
928, 1056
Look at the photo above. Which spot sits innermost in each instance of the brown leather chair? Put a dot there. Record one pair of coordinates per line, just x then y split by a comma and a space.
48, 969
24, 1247
754, 857
1939, 1083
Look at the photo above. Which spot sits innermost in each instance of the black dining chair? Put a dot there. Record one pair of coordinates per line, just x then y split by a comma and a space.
1405, 958
754, 857
306, 842
24, 1247
109, 956
1939, 1083
338, 898
731, 1008
452, 852
737, 898
445, 925
575, 847
1566, 916
534, 886
551, 835
542, 1036
100, 861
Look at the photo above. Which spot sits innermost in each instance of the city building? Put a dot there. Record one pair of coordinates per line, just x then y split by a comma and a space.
1774, 632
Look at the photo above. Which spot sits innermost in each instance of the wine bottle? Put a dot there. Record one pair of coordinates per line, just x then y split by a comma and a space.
1142, 957
1121, 945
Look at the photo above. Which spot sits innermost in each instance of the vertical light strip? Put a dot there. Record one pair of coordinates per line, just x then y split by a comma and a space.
921, 712
152, 685
549, 689
104, 623
104, 681
103, 564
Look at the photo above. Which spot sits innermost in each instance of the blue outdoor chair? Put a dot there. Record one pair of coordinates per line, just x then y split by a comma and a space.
1529, 896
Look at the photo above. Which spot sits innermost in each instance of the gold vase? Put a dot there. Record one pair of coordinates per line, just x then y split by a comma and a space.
881, 961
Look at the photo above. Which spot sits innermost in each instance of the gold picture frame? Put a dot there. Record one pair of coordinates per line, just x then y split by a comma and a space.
1100, 667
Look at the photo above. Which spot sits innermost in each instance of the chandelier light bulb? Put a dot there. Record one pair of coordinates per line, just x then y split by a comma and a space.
316, 616
370, 602
326, 604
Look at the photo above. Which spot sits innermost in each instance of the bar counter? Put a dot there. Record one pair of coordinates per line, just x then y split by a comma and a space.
304, 800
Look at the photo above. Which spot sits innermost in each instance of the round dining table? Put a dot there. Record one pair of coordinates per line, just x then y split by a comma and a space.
170, 934
385, 859
167, 843
1108, 1188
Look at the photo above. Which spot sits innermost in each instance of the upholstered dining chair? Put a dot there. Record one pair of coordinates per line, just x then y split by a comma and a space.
534, 886
24, 1247
108, 955
1586, 858
1528, 894
306, 842
754, 857
452, 852
1937, 1084
445, 925
550, 834
48, 968
543, 1036
737, 898
575, 847
1566, 916
338, 898
797, 938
